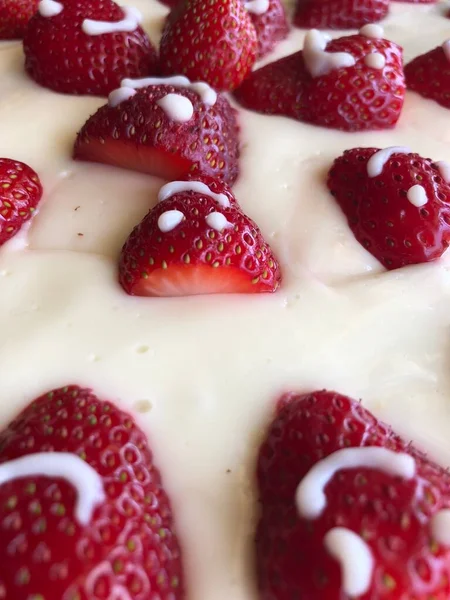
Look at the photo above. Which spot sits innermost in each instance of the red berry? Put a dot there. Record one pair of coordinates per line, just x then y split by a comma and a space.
429, 75
383, 215
209, 40
339, 14
271, 25
391, 514
14, 17
138, 134
20, 193
206, 247
128, 546
61, 56
353, 98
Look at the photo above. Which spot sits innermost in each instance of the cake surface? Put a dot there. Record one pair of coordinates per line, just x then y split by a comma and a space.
202, 373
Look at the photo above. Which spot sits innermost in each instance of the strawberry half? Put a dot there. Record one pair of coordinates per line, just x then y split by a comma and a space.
429, 74
20, 193
397, 203
195, 243
138, 134
63, 54
209, 40
14, 17
270, 22
124, 547
339, 14
383, 502
337, 87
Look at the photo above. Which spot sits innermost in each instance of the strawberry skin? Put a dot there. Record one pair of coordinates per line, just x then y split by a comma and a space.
339, 14
128, 546
14, 17
271, 27
429, 76
213, 41
60, 56
391, 514
194, 257
353, 98
137, 134
379, 214
20, 193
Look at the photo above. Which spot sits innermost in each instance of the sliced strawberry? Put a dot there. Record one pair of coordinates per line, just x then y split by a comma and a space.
402, 214
190, 244
20, 193
60, 55
339, 14
270, 21
124, 547
209, 40
388, 510
14, 17
356, 97
429, 74
138, 134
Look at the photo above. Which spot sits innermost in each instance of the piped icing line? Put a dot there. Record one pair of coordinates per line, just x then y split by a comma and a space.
376, 162
444, 169
417, 196
440, 527
446, 49
355, 558
130, 22
217, 221
372, 30
310, 495
169, 220
257, 7
64, 465
49, 8
207, 95
119, 95
319, 62
375, 60
178, 108
175, 187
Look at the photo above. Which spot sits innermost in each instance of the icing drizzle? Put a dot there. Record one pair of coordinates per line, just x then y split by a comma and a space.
175, 187
207, 94
130, 22
49, 8
320, 62
376, 162
177, 108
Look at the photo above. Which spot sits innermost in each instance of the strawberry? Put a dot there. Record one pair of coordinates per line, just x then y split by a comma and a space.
14, 17
125, 546
339, 14
191, 243
429, 74
210, 40
351, 96
401, 214
20, 193
270, 22
61, 55
390, 515
138, 134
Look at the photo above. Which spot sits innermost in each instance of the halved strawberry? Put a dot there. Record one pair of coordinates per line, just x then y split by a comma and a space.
193, 243
270, 21
138, 134
14, 17
339, 14
210, 40
352, 83
397, 203
63, 54
429, 74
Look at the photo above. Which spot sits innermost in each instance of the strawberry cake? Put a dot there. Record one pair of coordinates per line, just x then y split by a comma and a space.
224, 292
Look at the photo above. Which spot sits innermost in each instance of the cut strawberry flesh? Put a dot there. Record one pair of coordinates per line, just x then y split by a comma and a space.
189, 280
145, 159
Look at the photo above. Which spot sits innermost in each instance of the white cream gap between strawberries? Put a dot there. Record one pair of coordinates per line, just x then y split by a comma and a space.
355, 558
310, 495
202, 374
130, 22
49, 8
64, 465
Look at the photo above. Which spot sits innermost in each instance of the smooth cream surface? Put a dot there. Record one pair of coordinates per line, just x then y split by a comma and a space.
202, 374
